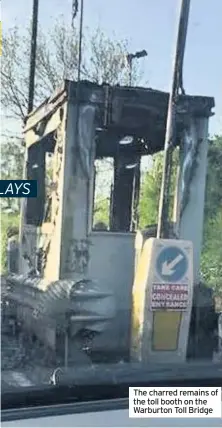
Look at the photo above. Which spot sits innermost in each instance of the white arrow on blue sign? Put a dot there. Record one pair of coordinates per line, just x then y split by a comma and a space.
172, 264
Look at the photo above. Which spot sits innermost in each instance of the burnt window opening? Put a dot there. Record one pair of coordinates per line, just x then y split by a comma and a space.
103, 190
150, 186
150, 189
117, 181
40, 168
48, 187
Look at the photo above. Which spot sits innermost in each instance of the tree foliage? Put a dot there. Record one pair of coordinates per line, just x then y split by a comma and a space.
211, 265
8, 221
103, 60
150, 190
12, 161
211, 262
214, 178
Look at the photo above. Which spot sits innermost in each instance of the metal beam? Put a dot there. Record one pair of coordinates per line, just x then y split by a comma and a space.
170, 137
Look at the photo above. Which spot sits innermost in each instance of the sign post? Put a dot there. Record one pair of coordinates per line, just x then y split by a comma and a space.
162, 301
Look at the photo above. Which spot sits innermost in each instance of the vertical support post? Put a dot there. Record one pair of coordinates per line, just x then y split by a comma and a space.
192, 218
136, 197
171, 120
30, 108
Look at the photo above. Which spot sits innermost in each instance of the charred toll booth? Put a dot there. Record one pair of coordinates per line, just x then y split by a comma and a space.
76, 270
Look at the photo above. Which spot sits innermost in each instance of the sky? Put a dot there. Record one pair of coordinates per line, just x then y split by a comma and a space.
150, 25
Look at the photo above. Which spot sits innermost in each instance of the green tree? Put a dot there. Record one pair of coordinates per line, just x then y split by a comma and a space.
101, 211
150, 190
213, 201
211, 264
9, 223
12, 160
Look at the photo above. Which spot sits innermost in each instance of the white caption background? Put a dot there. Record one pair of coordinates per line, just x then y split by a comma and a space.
175, 402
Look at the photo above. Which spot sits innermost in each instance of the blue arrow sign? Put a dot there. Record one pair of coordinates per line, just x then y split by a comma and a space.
171, 264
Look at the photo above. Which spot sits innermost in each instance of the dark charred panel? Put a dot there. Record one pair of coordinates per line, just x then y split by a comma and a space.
36, 171
142, 112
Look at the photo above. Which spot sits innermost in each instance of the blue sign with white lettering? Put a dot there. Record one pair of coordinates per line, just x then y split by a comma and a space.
171, 264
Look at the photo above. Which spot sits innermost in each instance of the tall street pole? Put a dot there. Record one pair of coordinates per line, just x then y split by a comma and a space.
33, 55
170, 137
80, 40
30, 108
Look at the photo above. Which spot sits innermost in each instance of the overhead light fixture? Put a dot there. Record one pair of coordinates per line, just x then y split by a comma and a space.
131, 166
126, 140
141, 54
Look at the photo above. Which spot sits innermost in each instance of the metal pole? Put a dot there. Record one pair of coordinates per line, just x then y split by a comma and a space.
33, 55
30, 108
170, 137
80, 40
79, 156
